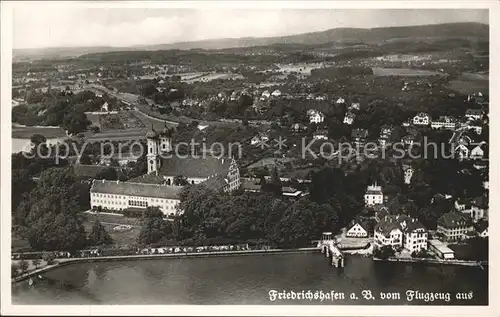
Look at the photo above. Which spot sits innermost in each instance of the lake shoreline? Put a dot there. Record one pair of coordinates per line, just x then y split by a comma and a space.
64, 262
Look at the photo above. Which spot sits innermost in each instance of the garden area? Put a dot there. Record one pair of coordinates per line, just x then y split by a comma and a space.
124, 120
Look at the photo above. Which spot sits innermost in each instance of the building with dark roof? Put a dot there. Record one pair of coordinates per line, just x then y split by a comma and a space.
401, 231
454, 225
481, 228
116, 195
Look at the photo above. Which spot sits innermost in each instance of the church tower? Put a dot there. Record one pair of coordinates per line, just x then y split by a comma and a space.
166, 139
152, 155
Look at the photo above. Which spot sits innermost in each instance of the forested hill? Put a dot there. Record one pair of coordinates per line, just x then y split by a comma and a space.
344, 35
350, 35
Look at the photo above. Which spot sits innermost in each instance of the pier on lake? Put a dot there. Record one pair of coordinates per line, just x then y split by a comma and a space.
329, 247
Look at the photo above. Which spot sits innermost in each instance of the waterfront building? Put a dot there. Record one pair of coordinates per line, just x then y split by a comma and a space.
401, 231
441, 250
415, 235
118, 196
166, 176
454, 226
357, 230
388, 232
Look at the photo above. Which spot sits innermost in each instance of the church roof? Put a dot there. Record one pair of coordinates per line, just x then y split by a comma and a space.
151, 134
135, 189
194, 167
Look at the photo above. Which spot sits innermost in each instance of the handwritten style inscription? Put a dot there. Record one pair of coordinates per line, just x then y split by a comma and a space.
366, 295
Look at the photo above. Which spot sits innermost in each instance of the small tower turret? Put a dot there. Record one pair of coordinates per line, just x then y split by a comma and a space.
152, 155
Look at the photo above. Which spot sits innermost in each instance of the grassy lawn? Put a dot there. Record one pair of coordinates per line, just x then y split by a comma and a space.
27, 132
119, 237
106, 218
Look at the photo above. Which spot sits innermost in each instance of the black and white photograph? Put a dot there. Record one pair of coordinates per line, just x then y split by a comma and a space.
198, 154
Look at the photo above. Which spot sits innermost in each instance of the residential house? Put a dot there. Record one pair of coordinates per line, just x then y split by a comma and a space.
357, 229
315, 116
479, 208
422, 119
374, 195
385, 135
359, 135
454, 226
349, 118
276, 93
463, 205
444, 122
415, 235
354, 106
320, 135
474, 114
265, 95
477, 153
259, 139
475, 127
105, 107
388, 231
407, 123
408, 139
340, 100
481, 228
298, 127
408, 173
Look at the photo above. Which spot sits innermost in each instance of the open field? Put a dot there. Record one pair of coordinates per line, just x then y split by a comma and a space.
47, 132
404, 72
469, 83
213, 76
126, 237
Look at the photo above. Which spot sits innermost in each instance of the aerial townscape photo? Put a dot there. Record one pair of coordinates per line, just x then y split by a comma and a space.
261, 156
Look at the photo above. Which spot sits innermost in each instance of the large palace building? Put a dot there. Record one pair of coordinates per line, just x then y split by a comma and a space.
158, 188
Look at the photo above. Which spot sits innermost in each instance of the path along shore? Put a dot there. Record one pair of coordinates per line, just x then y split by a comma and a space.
62, 261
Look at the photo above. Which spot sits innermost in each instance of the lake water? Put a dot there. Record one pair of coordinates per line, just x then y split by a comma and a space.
20, 145
246, 280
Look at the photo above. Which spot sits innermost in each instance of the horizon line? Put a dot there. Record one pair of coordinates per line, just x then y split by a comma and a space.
236, 38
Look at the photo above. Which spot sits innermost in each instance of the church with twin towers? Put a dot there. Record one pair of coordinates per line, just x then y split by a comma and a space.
160, 186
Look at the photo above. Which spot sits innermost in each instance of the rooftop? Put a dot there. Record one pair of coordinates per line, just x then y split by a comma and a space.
135, 189
453, 220
201, 167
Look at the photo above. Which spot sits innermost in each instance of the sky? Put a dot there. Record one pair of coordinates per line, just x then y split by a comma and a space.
37, 27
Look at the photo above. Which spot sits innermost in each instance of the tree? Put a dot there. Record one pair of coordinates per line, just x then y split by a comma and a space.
48, 257
99, 235
108, 173
180, 181
384, 252
53, 207
153, 230
37, 139
75, 122
274, 185
296, 227
85, 159
23, 265
36, 262
14, 270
